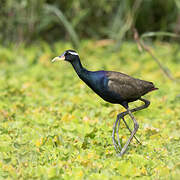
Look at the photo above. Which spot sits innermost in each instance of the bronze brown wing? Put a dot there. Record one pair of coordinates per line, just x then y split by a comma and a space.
128, 87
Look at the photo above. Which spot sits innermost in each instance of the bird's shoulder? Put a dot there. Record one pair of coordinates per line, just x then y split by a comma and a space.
97, 79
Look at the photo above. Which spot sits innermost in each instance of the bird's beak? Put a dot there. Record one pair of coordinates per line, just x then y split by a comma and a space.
59, 58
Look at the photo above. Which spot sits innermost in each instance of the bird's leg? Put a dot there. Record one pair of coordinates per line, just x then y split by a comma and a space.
117, 132
130, 129
147, 103
136, 126
117, 148
117, 129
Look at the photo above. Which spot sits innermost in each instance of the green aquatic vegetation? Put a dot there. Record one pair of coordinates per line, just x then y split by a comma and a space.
52, 126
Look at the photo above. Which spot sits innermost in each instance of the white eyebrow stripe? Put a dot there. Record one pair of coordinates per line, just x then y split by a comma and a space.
73, 53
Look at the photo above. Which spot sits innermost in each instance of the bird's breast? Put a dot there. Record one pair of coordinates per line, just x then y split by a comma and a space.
98, 82
99, 85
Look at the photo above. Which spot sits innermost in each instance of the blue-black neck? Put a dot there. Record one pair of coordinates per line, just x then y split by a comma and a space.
80, 70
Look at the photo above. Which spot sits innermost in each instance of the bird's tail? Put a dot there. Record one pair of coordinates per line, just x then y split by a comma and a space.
153, 89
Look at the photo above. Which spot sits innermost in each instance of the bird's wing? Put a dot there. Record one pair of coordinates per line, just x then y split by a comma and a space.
127, 87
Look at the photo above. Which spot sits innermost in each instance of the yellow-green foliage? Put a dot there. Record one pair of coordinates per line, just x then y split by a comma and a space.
52, 126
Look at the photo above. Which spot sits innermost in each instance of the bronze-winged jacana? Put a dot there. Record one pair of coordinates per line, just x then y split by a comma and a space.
113, 87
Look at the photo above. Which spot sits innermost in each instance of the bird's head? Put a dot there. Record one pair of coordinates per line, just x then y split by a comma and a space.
69, 55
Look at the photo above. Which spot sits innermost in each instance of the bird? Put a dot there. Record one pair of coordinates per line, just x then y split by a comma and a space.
115, 88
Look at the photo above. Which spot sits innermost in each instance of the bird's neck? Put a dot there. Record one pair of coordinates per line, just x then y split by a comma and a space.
80, 70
